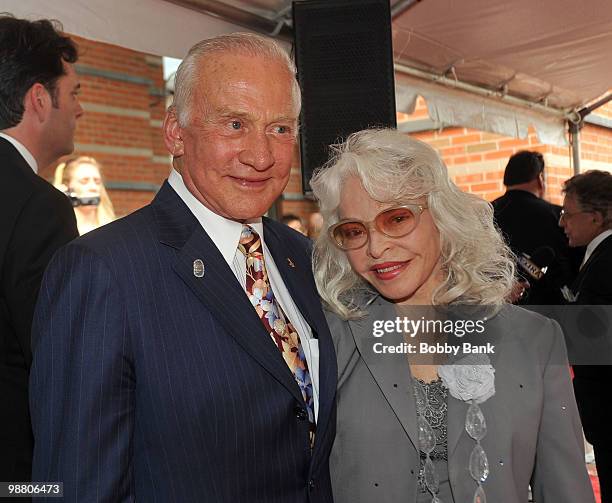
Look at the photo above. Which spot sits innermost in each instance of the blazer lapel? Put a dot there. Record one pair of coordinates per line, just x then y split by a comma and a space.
297, 277
218, 289
390, 371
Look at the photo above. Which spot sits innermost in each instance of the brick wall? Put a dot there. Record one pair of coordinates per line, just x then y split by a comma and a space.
476, 159
293, 201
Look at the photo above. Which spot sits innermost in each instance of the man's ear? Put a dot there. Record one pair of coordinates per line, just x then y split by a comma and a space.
598, 218
172, 134
541, 184
38, 101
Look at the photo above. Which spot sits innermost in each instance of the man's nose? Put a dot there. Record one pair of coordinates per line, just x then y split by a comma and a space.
257, 152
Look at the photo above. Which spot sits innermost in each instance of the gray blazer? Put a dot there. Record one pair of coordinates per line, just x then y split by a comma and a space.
534, 432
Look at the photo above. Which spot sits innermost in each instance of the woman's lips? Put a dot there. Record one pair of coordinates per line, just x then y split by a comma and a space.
389, 270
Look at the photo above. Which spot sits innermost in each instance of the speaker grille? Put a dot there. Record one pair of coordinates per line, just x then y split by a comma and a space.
345, 69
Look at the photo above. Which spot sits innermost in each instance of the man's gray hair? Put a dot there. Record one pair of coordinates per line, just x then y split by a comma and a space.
242, 43
593, 192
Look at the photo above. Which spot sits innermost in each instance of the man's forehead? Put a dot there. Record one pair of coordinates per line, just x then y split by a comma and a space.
244, 91
569, 201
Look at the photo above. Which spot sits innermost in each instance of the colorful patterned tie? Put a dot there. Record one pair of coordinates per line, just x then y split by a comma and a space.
281, 330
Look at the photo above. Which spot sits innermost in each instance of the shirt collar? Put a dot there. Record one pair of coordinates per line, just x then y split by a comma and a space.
225, 233
25, 153
594, 244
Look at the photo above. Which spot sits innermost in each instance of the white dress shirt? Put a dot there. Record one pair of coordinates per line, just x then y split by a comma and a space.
595, 242
25, 153
225, 234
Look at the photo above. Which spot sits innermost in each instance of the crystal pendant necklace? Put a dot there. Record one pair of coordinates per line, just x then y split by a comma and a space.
476, 427
427, 441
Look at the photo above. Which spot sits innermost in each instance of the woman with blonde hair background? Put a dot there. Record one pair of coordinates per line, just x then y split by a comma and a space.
414, 425
81, 178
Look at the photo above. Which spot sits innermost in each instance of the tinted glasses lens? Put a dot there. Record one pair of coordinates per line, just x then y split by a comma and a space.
396, 222
350, 235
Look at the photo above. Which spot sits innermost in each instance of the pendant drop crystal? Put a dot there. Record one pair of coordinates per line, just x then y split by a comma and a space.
479, 464
421, 397
479, 495
427, 437
430, 477
475, 423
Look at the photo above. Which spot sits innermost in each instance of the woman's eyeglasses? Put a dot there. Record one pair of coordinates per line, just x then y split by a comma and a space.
393, 222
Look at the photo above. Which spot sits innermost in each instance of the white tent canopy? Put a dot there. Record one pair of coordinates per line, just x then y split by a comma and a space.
495, 65
151, 26
552, 56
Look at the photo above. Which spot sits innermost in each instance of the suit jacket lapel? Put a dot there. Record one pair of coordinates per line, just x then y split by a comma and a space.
218, 289
390, 371
589, 263
297, 277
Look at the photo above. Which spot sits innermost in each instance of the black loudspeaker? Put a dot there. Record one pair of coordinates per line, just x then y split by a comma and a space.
344, 58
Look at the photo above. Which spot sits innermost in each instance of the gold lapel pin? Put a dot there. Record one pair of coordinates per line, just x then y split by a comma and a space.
198, 268
290, 263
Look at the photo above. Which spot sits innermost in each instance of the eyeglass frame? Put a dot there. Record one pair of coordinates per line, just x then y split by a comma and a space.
368, 225
565, 215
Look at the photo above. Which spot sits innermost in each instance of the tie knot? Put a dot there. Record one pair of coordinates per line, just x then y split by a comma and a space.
250, 241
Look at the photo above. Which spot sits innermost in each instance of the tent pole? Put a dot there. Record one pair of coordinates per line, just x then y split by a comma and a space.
574, 129
576, 125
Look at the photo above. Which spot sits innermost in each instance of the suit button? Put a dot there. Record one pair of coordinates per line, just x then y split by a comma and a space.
301, 413
311, 485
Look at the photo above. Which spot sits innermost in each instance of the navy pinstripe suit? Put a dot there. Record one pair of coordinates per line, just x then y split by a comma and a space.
151, 384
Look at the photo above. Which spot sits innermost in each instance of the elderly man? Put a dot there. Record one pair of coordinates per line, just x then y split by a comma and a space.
586, 219
39, 108
181, 353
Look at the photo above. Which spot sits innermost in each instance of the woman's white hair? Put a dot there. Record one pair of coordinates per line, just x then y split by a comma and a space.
250, 44
395, 168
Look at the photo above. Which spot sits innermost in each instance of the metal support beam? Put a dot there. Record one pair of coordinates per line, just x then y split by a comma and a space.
574, 130
464, 86
402, 6
238, 16
576, 125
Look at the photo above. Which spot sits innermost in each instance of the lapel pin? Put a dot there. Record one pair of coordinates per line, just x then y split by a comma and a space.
290, 263
198, 268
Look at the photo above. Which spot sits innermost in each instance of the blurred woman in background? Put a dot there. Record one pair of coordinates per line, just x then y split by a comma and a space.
81, 179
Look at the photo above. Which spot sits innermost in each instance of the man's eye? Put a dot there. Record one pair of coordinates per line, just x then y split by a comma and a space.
236, 125
282, 129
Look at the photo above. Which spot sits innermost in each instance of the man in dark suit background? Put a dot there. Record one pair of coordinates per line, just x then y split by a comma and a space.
38, 113
172, 360
587, 221
529, 223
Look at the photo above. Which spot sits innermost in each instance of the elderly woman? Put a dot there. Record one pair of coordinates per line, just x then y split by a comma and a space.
412, 425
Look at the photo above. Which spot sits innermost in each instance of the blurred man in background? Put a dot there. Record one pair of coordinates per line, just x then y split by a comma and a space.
39, 108
530, 226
